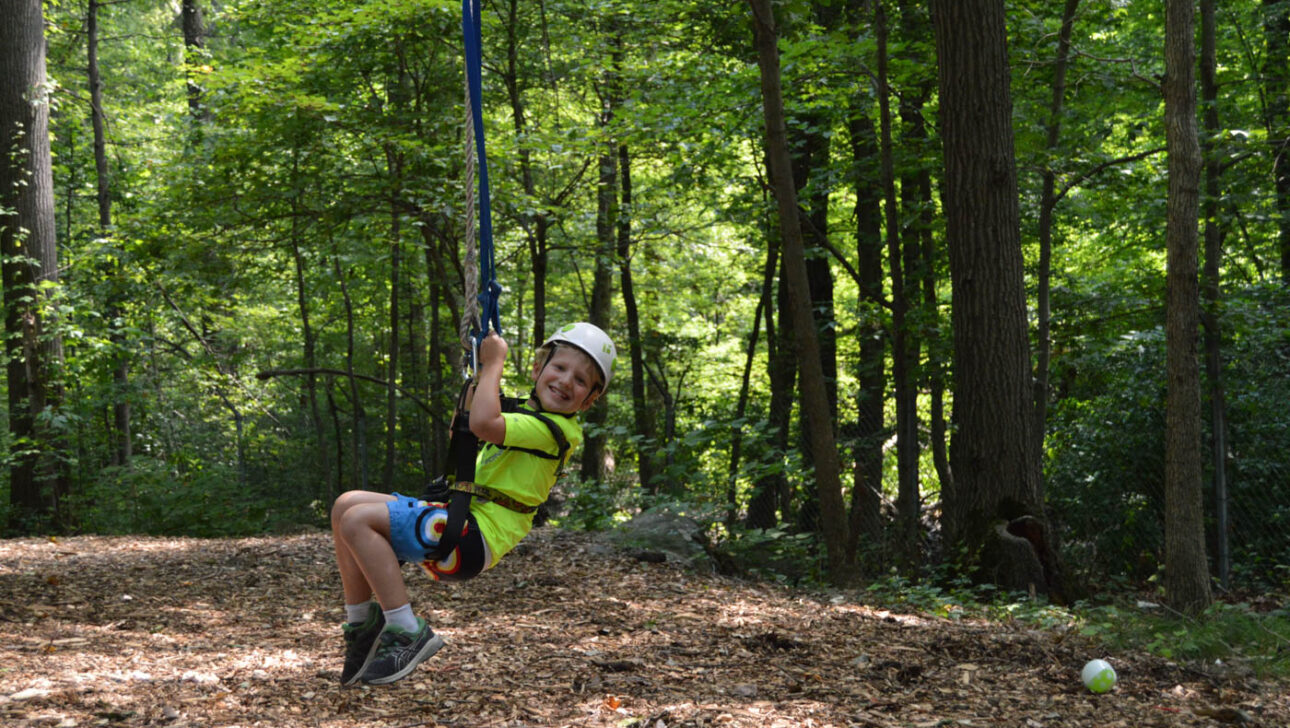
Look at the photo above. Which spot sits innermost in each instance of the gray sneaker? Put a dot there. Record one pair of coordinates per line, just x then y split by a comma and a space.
361, 644
399, 652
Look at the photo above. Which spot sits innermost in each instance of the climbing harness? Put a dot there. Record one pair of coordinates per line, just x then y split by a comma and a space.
458, 487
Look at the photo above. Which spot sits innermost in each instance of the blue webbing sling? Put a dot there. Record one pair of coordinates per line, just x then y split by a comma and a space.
464, 445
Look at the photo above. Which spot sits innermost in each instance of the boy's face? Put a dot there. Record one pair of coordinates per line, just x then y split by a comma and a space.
564, 385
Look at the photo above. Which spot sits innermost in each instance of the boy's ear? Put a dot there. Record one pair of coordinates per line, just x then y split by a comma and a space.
591, 399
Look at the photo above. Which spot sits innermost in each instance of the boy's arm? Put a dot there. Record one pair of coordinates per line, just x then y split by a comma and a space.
486, 419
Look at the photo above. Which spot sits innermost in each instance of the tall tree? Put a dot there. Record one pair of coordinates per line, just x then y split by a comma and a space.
868, 432
815, 400
1276, 101
1047, 202
908, 500
1211, 279
868, 435
30, 262
1186, 569
194, 46
593, 450
122, 450
995, 461
644, 420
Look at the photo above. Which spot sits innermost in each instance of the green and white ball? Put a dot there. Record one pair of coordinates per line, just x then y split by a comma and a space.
1099, 676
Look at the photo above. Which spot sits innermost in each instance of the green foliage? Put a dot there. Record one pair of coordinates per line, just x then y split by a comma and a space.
778, 554
593, 505
1236, 634
151, 498
1225, 636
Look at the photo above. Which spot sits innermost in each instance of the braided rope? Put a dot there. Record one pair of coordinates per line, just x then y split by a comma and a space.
470, 306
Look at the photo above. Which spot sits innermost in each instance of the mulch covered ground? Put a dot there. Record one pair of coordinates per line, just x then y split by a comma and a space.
565, 632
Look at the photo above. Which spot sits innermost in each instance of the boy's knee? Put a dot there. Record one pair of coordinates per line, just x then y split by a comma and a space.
342, 505
360, 518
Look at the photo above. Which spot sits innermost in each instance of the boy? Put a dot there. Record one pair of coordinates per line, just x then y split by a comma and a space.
384, 641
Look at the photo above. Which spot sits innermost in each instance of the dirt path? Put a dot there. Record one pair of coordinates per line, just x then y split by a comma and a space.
566, 632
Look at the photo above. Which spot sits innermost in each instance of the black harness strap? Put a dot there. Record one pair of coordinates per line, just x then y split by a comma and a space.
512, 404
463, 448
463, 445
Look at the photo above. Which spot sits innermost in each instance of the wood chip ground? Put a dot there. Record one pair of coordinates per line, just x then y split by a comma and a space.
130, 631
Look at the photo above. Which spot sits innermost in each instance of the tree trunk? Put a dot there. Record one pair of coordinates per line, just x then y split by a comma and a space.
439, 425
1212, 290
536, 222
908, 500
745, 383
327, 483
593, 449
194, 42
1048, 201
996, 464
810, 153
392, 360
30, 262
815, 401
643, 420
122, 449
771, 492
1276, 84
866, 499
359, 423
1186, 570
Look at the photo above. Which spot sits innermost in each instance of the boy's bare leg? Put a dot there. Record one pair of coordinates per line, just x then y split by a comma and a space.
366, 561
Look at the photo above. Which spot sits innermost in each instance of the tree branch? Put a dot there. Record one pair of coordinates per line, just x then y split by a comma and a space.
268, 373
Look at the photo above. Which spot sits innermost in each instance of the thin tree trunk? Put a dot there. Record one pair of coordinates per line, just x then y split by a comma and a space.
1276, 85
537, 224
392, 362
194, 43
439, 434
815, 401
122, 441
1212, 288
908, 501
921, 245
593, 449
866, 499
1048, 201
736, 445
644, 422
771, 492
1186, 570
359, 425
327, 482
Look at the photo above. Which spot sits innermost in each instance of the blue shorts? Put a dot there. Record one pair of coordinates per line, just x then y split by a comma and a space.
415, 529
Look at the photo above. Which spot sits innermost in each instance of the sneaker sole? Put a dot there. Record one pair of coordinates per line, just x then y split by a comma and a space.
433, 645
371, 652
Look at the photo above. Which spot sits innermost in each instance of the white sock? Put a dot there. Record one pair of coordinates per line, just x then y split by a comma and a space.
403, 618
357, 613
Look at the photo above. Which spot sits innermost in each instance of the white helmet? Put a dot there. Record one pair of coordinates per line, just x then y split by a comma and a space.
592, 341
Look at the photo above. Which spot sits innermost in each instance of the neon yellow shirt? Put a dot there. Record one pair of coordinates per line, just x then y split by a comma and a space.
523, 476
